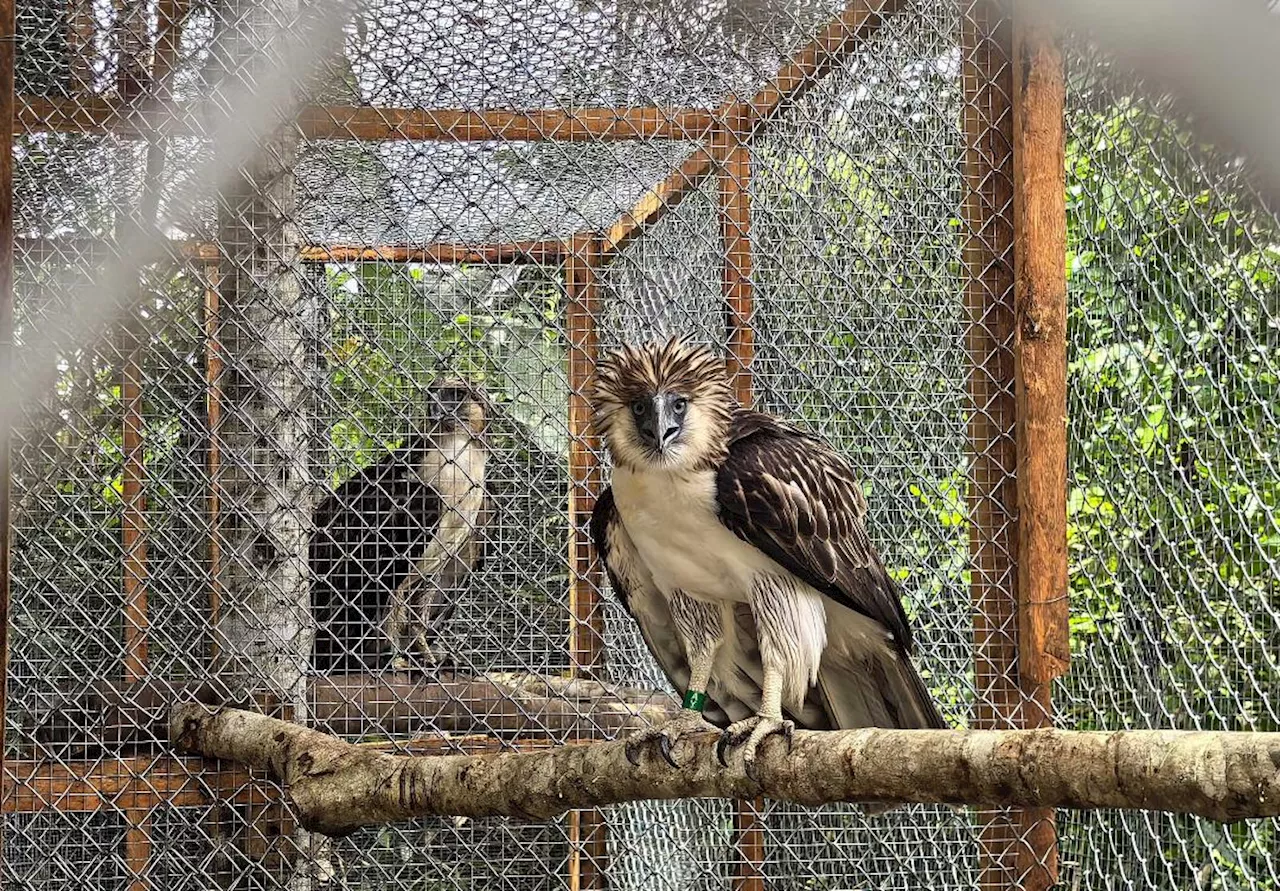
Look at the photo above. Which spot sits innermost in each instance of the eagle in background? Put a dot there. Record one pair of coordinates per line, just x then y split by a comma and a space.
737, 543
394, 544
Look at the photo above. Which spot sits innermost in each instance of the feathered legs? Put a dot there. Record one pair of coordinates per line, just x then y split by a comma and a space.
699, 626
792, 627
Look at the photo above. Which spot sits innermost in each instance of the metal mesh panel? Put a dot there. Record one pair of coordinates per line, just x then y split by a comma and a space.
416, 223
1174, 352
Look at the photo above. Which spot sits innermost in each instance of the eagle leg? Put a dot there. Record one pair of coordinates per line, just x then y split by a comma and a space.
667, 735
702, 640
750, 732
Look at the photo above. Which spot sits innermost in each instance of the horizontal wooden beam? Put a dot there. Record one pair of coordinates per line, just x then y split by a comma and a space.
552, 125
143, 782
656, 202
98, 116
547, 251
544, 251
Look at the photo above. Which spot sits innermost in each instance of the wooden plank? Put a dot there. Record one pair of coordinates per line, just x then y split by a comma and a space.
859, 20
545, 251
140, 784
735, 231
988, 254
549, 250
137, 847
585, 478
1040, 376
133, 523
7, 50
215, 362
587, 829
656, 202
733, 158
91, 114
369, 124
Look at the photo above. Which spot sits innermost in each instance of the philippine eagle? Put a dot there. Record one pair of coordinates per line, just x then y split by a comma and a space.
395, 543
738, 545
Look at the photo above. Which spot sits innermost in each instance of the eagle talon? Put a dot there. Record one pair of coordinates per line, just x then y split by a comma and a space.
667, 736
749, 733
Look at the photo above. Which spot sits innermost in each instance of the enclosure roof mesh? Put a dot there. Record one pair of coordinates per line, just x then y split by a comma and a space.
518, 55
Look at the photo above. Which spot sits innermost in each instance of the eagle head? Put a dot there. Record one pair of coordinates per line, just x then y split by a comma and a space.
453, 404
664, 406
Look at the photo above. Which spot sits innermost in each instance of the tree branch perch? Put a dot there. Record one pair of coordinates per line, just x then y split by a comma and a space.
338, 787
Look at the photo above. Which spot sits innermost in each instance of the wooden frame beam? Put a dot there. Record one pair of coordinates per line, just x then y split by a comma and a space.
546, 251
552, 125
96, 115
140, 783
660, 199
588, 838
8, 47
843, 36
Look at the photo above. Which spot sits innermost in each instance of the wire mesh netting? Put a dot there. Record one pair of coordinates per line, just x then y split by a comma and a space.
361, 347
1174, 337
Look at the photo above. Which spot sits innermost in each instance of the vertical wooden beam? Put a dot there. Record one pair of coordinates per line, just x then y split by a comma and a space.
1040, 350
1016, 226
1040, 375
733, 156
137, 848
214, 364
81, 46
987, 83
587, 830
581, 309
7, 36
133, 531
133, 524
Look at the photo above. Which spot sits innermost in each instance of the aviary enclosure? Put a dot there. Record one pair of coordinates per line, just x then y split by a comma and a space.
496, 192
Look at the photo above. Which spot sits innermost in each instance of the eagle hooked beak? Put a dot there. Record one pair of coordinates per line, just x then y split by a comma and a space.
660, 420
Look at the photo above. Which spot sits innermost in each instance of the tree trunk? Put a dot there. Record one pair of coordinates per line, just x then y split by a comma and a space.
337, 787
265, 328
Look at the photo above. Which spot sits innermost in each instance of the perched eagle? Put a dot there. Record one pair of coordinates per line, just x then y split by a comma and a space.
395, 542
737, 543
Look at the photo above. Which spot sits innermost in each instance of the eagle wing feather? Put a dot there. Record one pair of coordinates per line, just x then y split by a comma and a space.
796, 499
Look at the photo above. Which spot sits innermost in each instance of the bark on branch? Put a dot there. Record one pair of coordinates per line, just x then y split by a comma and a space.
338, 787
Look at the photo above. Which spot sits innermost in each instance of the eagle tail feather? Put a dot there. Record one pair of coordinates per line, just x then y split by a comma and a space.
870, 681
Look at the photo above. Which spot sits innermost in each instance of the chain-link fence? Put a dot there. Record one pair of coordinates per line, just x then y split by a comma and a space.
472, 201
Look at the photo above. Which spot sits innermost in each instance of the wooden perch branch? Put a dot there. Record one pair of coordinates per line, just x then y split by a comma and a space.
338, 787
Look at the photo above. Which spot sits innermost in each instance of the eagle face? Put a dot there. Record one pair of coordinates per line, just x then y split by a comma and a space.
664, 406
455, 404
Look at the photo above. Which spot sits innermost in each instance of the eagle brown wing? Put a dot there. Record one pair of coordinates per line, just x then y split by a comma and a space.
796, 499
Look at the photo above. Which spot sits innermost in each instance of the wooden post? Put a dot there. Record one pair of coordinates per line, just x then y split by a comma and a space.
214, 364
733, 156
988, 253
1016, 295
7, 36
1040, 376
587, 830
133, 524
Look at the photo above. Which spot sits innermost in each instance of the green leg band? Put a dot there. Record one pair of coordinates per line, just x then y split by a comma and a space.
695, 701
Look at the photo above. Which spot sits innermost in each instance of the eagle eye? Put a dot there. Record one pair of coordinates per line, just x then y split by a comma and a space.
638, 408
681, 405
